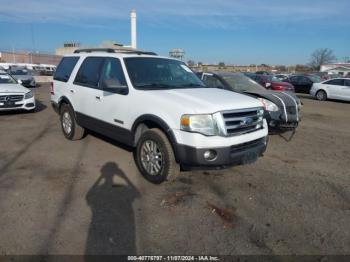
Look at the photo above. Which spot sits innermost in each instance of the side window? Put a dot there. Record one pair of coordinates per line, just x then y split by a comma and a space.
113, 75
89, 72
65, 68
347, 82
304, 80
294, 79
336, 82
212, 82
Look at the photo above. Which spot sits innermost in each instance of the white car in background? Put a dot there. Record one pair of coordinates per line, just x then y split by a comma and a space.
14, 96
337, 88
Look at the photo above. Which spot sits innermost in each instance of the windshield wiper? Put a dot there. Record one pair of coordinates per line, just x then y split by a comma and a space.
191, 85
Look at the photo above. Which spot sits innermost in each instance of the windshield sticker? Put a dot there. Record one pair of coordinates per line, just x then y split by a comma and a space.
186, 68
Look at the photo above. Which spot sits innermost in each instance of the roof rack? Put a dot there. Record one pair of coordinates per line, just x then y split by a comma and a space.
111, 50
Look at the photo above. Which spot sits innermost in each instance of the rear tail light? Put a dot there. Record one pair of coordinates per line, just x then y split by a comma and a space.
280, 88
52, 91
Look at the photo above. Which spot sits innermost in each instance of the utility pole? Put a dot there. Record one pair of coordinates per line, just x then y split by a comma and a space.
13, 55
33, 43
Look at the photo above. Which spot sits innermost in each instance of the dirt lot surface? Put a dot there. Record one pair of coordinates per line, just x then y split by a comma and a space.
87, 197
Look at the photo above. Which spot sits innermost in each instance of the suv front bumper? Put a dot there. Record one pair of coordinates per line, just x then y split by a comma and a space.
225, 156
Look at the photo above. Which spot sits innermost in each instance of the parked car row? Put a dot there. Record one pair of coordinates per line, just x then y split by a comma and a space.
271, 82
173, 118
13, 95
22, 74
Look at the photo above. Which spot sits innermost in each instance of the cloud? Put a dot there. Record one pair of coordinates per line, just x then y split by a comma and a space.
208, 14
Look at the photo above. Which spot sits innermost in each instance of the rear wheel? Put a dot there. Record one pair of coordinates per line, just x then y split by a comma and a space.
155, 157
321, 95
70, 127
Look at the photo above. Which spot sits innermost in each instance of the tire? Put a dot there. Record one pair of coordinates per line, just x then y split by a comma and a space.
321, 95
69, 125
155, 157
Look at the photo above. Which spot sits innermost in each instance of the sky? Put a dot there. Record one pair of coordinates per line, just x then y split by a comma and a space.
239, 32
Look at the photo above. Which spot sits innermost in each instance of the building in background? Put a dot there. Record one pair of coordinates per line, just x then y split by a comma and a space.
336, 68
28, 58
70, 47
177, 53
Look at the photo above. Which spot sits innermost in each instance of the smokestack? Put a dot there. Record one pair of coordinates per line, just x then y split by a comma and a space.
133, 28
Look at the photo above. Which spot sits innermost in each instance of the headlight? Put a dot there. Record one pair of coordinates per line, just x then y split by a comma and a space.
28, 95
204, 124
268, 105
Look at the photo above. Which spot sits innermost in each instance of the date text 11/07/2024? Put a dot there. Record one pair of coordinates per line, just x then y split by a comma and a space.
173, 258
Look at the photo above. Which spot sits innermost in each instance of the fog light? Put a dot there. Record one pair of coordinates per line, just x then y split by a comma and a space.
210, 155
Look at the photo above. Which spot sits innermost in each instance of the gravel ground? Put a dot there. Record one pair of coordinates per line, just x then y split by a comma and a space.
87, 197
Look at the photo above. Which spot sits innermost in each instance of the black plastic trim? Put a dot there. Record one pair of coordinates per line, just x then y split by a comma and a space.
117, 133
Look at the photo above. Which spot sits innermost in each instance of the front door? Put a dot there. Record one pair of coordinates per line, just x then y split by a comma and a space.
115, 101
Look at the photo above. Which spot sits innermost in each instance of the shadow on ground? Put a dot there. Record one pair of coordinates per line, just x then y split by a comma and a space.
112, 228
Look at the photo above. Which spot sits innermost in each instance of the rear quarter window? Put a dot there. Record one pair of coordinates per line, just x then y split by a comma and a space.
65, 68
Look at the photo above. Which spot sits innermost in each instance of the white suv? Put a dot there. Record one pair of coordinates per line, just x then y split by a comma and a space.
159, 107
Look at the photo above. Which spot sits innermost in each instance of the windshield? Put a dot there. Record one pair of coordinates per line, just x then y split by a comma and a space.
274, 79
315, 78
239, 82
160, 73
6, 79
19, 72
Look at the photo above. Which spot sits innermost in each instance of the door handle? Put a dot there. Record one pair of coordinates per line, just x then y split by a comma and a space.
98, 97
72, 91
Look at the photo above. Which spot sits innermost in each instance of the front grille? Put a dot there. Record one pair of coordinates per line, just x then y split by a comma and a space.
11, 106
239, 122
11, 98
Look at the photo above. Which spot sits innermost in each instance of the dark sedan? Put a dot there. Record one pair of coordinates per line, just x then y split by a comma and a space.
282, 109
303, 83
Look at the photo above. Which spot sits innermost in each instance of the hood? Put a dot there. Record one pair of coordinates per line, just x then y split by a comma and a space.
204, 100
23, 77
288, 98
13, 88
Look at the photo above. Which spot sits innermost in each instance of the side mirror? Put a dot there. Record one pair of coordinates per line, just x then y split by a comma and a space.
19, 81
114, 86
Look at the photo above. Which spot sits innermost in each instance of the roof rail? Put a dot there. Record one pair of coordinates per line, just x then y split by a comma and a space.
111, 50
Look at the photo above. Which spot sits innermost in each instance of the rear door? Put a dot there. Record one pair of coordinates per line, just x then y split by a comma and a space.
62, 84
304, 84
87, 90
294, 80
336, 88
346, 90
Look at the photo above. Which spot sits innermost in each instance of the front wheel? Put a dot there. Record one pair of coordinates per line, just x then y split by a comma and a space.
321, 95
155, 157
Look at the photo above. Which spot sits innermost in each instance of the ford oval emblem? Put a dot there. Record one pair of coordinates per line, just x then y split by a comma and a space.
247, 121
